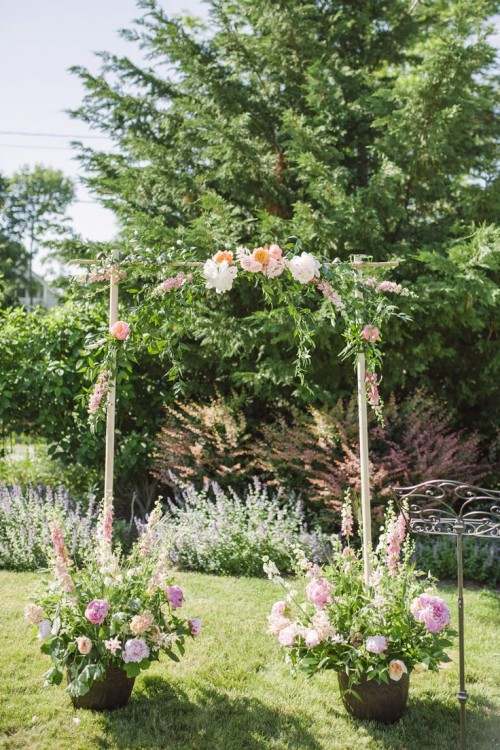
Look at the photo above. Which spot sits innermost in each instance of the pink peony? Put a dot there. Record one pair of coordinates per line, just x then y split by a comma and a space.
194, 626
287, 636
120, 330
431, 611
376, 644
277, 623
84, 644
278, 609
318, 591
175, 596
311, 637
370, 333
96, 611
304, 268
135, 650
397, 669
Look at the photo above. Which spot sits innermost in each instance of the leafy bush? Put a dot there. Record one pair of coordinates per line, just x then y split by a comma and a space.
318, 451
24, 525
438, 555
217, 531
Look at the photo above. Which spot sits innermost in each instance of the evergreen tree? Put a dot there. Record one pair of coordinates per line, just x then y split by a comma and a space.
364, 126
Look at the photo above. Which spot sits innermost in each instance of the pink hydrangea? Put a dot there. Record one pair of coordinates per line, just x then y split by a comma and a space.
376, 644
175, 596
194, 626
370, 333
318, 591
431, 611
120, 330
135, 650
278, 609
96, 611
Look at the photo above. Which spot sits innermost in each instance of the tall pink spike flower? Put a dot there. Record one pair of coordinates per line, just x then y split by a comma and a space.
395, 539
62, 560
347, 519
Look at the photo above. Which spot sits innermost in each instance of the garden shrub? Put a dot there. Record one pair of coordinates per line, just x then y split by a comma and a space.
438, 554
222, 532
24, 525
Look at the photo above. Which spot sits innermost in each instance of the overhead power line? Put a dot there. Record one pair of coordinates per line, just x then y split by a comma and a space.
53, 135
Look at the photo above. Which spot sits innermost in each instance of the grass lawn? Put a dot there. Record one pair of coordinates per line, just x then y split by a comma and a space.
233, 692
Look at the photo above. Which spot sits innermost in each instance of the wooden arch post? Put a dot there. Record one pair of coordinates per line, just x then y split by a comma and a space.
111, 401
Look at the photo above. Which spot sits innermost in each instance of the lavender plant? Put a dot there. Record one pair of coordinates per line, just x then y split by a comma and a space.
24, 525
218, 531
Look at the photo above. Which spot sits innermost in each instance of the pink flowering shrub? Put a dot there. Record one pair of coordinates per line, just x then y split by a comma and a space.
378, 632
112, 611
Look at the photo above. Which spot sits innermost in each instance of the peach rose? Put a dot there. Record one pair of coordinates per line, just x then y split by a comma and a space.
120, 330
84, 644
397, 669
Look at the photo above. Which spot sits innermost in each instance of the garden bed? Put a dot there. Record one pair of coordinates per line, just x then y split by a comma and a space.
232, 691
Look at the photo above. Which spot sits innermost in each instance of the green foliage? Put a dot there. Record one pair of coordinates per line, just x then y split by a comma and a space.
226, 533
45, 387
439, 556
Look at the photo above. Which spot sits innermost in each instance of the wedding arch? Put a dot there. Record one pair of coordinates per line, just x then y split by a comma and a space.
353, 292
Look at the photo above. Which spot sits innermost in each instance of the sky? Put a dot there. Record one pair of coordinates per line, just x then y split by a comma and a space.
39, 41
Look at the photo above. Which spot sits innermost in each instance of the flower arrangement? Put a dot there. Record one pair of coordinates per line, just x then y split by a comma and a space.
311, 290
377, 633
112, 612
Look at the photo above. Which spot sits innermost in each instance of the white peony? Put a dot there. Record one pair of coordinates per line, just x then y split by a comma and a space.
304, 267
219, 276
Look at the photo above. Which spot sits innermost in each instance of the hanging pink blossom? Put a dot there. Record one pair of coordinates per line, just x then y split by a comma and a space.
370, 333
372, 393
173, 282
100, 391
328, 291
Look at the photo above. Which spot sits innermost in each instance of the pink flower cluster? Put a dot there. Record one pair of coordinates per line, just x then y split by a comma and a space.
173, 282
431, 611
395, 538
287, 631
347, 520
370, 333
391, 287
100, 390
96, 611
372, 393
329, 293
62, 561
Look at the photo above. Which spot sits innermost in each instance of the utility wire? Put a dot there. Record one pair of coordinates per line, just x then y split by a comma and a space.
53, 135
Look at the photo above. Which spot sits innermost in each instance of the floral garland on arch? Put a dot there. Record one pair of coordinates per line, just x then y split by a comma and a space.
311, 290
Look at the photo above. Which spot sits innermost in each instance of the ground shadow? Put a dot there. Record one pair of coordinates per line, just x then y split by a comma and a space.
161, 715
425, 714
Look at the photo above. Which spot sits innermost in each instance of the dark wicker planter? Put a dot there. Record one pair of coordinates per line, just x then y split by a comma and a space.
106, 695
375, 701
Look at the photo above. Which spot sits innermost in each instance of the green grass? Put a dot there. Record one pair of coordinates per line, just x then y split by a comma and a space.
233, 692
